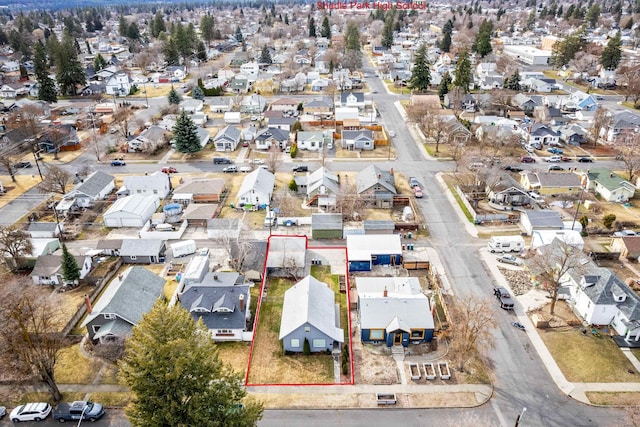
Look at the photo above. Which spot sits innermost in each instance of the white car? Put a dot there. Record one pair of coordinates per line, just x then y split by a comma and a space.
392, 133
554, 159
245, 169
257, 162
30, 412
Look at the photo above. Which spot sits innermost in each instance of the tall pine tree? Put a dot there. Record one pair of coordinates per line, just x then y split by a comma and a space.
186, 134
46, 85
462, 78
69, 265
387, 32
612, 53
173, 97
325, 30
70, 73
443, 87
420, 73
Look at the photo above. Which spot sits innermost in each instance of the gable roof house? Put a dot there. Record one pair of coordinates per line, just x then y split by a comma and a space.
191, 105
96, 186
573, 134
376, 186
393, 310
367, 250
622, 124
628, 246
227, 138
121, 306
48, 269
39, 230
157, 184
62, 137
177, 71
313, 140
202, 190
309, 312
266, 138
524, 102
148, 140
551, 182
322, 187
220, 104
285, 104
131, 211
253, 104
321, 105
118, 84
256, 188
352, 99
609, 185
536, 220
142, 251
220, 299
358, 139
541, 133
12, 90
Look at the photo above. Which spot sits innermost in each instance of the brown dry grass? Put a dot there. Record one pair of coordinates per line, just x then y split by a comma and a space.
235, 354
73, 367
614, 399
13, 190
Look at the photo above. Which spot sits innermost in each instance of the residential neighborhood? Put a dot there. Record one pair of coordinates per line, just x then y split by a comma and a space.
321, 206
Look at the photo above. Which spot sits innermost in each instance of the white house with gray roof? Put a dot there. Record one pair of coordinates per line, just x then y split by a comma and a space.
256, 188
227, 138
142, 251
157, 184
96, 186
309, 312
121, 306
48, 269
131, 211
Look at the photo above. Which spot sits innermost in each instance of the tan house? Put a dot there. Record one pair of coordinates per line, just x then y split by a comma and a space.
628, 246
203, 190
551, 182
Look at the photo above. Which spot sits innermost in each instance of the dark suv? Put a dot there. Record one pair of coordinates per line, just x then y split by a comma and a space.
221, 161
300, 168
503, 296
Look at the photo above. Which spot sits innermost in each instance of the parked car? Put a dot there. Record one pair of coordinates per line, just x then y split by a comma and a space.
245, 169
527, 159
245, 144
230, 169
71, 110
78, 410
3, 411
625, 233
513, 168
565, 159
585, 159
300, 168
392, 134
417, 191
554, 150
554, 159
413, 182
287, 150
169, 169
22, 165
503, 296
257, 162
221, 161
555, 168
509, 259
35, 411
118, 163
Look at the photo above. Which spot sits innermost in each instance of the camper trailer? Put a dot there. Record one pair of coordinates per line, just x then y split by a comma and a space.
506, 244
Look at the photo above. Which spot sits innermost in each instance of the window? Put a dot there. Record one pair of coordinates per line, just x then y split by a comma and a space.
417, 334
225, 331
374, 257
307, 329
132, 257
295, 343
319, 343
95, 328
155, 191
109, 316
376, 334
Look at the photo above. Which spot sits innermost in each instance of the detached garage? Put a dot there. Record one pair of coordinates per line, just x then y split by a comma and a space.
131, 211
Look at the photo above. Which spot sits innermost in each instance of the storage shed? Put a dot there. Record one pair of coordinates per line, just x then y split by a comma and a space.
326, 226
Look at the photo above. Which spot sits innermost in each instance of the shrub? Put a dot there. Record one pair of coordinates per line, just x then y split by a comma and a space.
608, 220
294, 150
293, 186
306, 347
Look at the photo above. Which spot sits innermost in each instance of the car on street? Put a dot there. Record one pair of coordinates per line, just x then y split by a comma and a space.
417, 191
513, 168
300, 168
230, 169
34, 411
257, 162
599, 98
169, 169
413, 182
245, 144
554, 150
118, 163
565, 159
555, 168
3, 411
22, 165
80, 410
554, 159
245, 169
509, 259
502, 294
392, 134
221, 161
287, 150
585, 160
625, 233
527, 159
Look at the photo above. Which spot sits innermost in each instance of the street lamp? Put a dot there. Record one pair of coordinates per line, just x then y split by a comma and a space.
520, 415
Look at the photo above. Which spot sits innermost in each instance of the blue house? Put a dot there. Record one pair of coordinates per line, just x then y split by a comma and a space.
393, 310
364, 251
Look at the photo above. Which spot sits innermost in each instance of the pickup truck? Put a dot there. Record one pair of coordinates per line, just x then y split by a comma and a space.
78, 410
503, 296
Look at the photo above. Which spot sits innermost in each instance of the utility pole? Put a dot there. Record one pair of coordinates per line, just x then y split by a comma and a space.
36, 157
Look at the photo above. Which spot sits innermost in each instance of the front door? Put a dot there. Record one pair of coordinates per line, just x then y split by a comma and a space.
397, 338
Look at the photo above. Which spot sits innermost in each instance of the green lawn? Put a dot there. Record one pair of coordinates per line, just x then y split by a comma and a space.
585, 358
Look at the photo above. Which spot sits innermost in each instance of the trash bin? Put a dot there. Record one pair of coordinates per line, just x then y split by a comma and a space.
409, 235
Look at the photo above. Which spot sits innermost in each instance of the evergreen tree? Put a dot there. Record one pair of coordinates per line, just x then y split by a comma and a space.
286, 19
173, 97
207, 28
99, 63
462, 74
197, 93
239, 37
563, 51
70, 73
123, 26
172, 368
513, 81
201, 52
171, 54
592, 15
312, 27
420, 73
612, 53
482, 43
443, 87
325, 30
158, 25
352, 37
447, 30
387, 33
265, 56
186, 135
46, 85
69, 265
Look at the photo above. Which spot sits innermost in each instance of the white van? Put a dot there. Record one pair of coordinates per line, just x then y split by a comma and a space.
506, 244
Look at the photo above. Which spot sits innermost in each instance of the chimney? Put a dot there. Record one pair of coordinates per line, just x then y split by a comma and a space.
385, 293
87, 302
241, 301
379, 176
391, 171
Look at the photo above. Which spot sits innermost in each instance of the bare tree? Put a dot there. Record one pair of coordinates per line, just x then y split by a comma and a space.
628, 76
274, 157
286, 202
7, 160
30, 338
552, 262
121, 119
348, 201
471, 328
629, 149
16, 244
585, 63
55, 181
434, 127
601, 120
